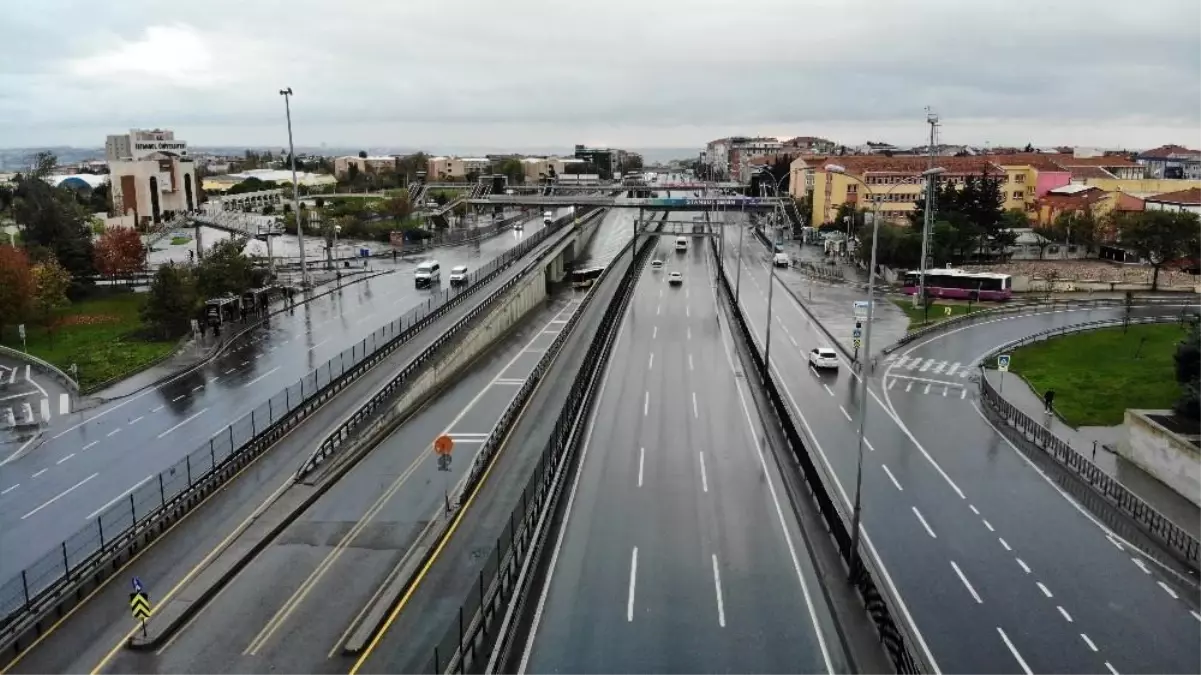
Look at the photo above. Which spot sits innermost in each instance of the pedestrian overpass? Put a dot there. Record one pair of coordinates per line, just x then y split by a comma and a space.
730, 203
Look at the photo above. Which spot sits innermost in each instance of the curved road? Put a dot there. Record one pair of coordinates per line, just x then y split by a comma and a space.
102, 454
998, 570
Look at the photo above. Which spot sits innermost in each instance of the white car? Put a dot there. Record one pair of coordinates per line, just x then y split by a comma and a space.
823, 358
780, 260
458, 275
428, 273
681, 243
675, 278
519, 226
656, 265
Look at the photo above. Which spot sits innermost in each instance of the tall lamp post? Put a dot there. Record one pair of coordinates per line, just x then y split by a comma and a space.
304, 270
867, 346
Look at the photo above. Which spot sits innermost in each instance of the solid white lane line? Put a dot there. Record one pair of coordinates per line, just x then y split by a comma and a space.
721, 607
1114, 542
178, 398
690, 362
269, 372
646, 403
845, 413
183, 423
1004, 543
119, 497
959, 573
641, 457
1046, 591
64, 459
1088, 642
924, 523
704, 475
198, 387
1111, 668
1141, 565
41, 472
989, 526
828, 389
1013, 650
10, 488
157, 408
651, 363
112, 433
89, 445
1195, 615
1168, 589
1023, 565
34, 382
59, 495
695, 412
892, 477
633, 583
1064, 612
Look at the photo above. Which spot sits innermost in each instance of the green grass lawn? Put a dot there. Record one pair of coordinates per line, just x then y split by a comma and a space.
1096, 375
179, 241
98, 335
938, 311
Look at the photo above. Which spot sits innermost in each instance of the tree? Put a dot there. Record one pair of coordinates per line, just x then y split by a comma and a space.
172, 301
42, 164
50, 283
252, 184
119, 251
51, 217
397, 207
16, 286
1188, 373
224, 269
1159, 237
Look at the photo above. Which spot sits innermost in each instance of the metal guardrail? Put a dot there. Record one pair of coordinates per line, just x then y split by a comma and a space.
461, 647
1034, 435
897, 637
44, 365
1051, 306
86, 554
384, 396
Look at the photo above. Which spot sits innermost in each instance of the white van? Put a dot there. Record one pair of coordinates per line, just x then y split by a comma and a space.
681, 243
781, 260
428, 273
548, 217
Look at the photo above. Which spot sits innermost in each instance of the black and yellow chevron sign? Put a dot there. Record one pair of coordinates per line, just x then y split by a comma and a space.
139, 603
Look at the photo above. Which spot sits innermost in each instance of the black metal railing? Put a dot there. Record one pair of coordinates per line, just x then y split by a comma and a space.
1034, 435
85, 555
464, 646
896, 635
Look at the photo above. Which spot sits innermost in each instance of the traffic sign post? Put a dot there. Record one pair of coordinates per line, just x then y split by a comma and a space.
1003, 367
21, 331
139, 604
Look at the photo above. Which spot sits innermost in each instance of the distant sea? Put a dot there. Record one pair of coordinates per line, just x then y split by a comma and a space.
16, 159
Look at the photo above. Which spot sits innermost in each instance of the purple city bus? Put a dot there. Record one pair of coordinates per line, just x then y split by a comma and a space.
954, 283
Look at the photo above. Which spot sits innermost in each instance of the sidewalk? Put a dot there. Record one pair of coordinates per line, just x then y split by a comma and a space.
1104, 439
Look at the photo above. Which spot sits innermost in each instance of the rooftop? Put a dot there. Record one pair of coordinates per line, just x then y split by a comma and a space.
1170, 152
912, 164
1189, 197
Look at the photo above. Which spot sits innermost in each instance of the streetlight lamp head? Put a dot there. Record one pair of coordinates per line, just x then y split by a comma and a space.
835, 168
936, 171
285, 92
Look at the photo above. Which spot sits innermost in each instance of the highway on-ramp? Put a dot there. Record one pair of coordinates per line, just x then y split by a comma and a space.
998, 570
679, 551
97, 457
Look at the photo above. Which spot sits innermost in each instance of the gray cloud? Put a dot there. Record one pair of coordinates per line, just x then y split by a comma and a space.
642, 74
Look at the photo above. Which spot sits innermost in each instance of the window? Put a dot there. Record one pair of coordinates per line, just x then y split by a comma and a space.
1019, 178
1018, 194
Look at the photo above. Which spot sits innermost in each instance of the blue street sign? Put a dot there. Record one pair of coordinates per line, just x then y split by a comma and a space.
1003, 363
857, 333
137, 585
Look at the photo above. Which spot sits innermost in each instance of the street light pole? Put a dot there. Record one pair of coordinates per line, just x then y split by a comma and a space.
771, 287
867, 350
304, 271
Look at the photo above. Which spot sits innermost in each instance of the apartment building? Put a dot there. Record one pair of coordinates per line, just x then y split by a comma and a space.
539, 168
370, 164
1171, 161
730, 157
457, 168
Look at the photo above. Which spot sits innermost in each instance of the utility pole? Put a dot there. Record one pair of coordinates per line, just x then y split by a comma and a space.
928, 214
304, 271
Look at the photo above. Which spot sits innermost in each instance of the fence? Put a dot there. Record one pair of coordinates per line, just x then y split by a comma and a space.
897, 637
379, 402
37, 588
1037, 306
465, 640
1033, 435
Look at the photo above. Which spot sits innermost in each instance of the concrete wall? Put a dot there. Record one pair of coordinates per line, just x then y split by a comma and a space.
1165, 455
519, 301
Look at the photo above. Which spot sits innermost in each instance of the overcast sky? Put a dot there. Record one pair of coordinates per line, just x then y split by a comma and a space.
639, 73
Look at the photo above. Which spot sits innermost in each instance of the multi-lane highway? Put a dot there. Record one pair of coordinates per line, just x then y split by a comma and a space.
679, 551
999, 571
96, 457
